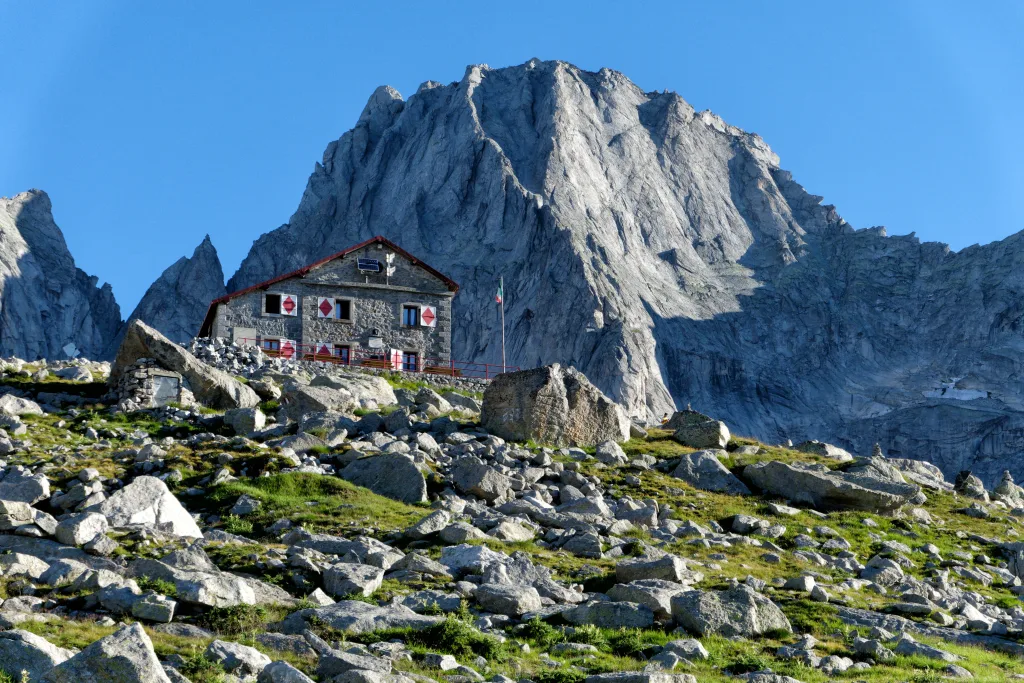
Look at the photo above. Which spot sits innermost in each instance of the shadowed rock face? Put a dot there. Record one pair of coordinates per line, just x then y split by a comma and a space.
666, 254
45, 301
177, 302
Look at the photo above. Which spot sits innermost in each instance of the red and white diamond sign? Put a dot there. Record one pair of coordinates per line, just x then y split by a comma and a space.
428, 316
323, 349
288, 304
287, 348
326, 308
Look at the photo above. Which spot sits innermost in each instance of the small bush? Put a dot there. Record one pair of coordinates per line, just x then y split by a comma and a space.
747, 662
816, 618
627, 642
270, 407
236, 620
563, 675
234, 524
198, 669
161, 586
542, 633
319, 450
588, 634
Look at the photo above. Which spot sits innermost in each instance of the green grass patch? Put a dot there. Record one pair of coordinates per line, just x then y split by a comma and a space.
318, 502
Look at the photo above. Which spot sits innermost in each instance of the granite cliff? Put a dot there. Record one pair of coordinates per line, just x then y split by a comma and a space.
46, 302
176, 303
668, 255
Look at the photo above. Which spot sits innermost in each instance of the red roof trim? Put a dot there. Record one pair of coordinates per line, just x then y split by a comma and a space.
207, 327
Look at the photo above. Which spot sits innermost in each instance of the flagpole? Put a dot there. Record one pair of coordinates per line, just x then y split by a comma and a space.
501, 282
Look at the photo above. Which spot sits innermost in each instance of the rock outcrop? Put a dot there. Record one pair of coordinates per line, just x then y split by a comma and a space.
48, 306
669, 257
210, 386
552, 405
872, 485
177, 301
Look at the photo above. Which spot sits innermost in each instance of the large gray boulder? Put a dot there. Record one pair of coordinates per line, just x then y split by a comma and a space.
21, 651
610, 615
392, 475
148, 501
21, 486
211, 387
472, 475
703, 470
14, 406
345, 579
552, 405
697, 430
125, 656
197, 579
871, 485
236, 658
739, 611
509, 599
357, 617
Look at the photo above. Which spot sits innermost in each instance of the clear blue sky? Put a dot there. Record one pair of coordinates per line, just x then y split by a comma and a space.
152, 124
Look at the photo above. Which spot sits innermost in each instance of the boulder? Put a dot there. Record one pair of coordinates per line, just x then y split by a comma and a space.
197, 582
610, 615
21, 651
471, 475
552, 405
244, 421
211, 387
825, 450
872, 485
697, 430
655, 593
125, 656
14, 406
511, 600
342, 394
148, 501
665, 567
357, 617
611, 453
703, 470
282, 672
81, 528
21, 486
391, 475
739, 611
344, 579
236, 658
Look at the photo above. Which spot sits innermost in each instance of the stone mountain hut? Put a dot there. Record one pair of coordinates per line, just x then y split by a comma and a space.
373, 304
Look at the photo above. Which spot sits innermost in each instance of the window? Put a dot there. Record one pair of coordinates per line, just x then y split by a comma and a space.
411, 316
270, 345
342, 309
272, 304
343, 354
410, 361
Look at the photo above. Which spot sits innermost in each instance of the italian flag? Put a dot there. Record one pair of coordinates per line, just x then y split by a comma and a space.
498, 297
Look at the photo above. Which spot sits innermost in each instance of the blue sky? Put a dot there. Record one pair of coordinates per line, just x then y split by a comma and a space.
153, 124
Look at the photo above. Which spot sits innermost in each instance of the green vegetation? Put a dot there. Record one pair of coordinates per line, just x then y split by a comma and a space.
236, 620
161, 586
317, 502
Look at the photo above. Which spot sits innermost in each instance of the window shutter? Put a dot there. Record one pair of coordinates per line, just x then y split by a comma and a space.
289, 304
396, 360
324, 307
323, 349
428, 316
288, 348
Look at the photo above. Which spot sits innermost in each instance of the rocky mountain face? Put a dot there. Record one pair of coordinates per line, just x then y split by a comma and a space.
46, 303
176, 303
668, 256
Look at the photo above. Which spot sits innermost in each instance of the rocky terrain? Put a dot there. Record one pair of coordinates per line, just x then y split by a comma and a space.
368, 528
668, 256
